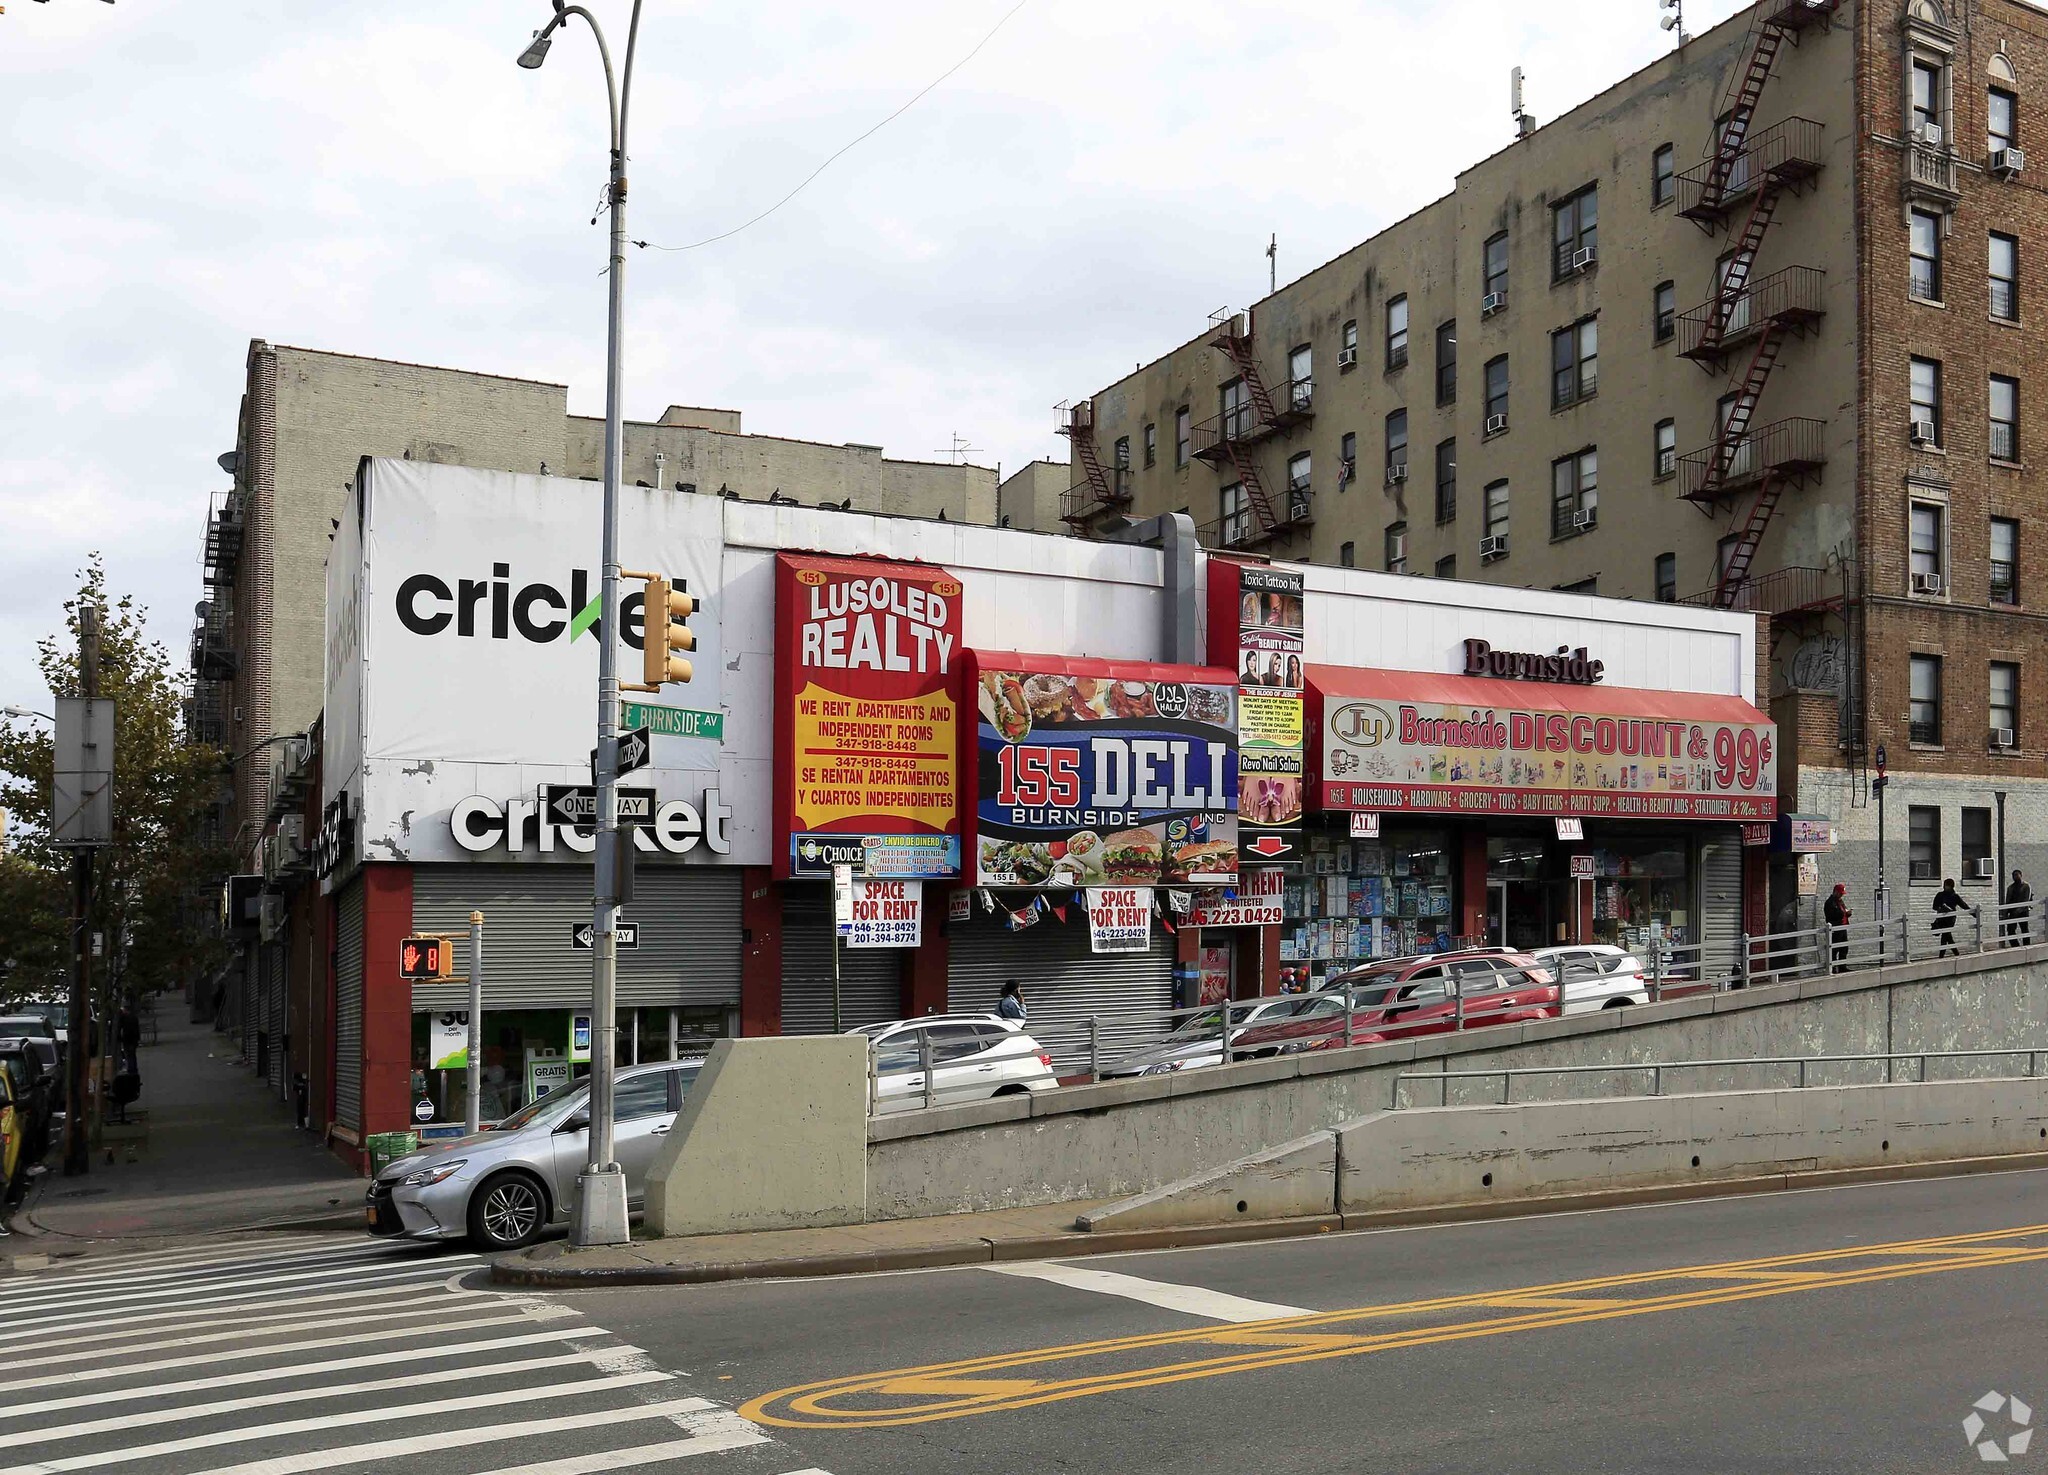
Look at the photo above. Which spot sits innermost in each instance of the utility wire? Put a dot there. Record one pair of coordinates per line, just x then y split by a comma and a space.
845, 148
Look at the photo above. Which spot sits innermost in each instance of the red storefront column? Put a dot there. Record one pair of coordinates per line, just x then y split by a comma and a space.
924, 966
1472, 882
387, 1000
1756, 890
760, 952
1264, 944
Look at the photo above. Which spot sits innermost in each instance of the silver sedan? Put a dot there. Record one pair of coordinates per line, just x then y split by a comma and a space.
501, 1188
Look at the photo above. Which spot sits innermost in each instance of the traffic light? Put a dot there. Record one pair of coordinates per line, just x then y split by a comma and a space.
426, 957
663, 632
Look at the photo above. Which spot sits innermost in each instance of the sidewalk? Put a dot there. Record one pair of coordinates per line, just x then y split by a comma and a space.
220, 1154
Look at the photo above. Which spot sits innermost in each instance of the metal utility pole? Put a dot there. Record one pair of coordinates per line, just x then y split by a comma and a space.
77, 1154
600, 1214
474, 1122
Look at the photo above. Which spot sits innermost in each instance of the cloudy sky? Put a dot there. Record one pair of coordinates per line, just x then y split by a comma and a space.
377, 177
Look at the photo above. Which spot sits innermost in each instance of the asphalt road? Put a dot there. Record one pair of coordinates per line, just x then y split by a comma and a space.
1839, 1330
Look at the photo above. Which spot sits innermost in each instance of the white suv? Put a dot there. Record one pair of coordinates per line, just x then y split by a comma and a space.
1596, 975
973, 1056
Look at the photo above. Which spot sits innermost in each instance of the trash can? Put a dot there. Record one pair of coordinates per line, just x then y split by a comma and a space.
387, 1148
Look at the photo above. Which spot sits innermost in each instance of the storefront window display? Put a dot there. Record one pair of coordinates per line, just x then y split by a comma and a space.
1362, 899
1642, 888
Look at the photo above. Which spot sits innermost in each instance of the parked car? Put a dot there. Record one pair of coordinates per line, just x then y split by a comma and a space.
1432, 994
974, 1057
13, 1125
39, 1052
29, 1020
1194, 1042
30, 1065
1596, 975
500, 1189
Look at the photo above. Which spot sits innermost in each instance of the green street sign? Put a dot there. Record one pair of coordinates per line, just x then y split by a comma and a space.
675, 721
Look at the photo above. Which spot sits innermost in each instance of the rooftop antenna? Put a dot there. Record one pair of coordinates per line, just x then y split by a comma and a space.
959, 450
1524, 124
1676, 20
1273, 265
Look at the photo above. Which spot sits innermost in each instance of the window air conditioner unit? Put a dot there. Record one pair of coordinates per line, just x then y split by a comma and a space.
1583, 520
1496, 423
1582, 258
1921, 432
1396, 475
1492, 303
1928, 584
2004, 738
1984, 868
2008, 162
1347, 358
1922, 870
1929, 134
1493, 547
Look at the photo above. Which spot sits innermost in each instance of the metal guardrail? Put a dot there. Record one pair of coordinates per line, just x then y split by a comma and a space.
1099, 1042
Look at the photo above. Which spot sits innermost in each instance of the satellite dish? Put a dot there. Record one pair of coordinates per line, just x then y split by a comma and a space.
202, 609
229, 461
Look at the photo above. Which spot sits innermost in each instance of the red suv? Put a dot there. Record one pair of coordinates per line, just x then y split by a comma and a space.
1432, 994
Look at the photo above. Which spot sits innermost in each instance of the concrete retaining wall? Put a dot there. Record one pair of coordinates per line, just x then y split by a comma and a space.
1125, 1138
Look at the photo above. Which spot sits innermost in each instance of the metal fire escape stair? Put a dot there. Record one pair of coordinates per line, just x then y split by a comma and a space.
1077, 424
1254, 490
1741, 266
1239, 346
1731, 445
1735, 573
1766, 35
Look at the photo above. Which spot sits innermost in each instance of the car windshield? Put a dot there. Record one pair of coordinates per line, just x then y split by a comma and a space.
548, 1108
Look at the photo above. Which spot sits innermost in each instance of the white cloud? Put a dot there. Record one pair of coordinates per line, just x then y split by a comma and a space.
379, 178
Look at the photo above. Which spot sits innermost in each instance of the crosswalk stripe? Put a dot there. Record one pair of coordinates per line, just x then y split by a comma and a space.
118, 1266
57, 1286
185, 1289
26, 1330
392, 1449
426, 1301
646, 1454
100, 1397
390, 1413
1168, 1295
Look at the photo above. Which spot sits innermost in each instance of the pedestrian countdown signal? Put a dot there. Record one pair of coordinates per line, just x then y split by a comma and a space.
426, 957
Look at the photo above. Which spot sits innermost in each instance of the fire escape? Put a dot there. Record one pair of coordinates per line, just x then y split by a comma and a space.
213, 653
1749, 318
1251, 414
1101, 491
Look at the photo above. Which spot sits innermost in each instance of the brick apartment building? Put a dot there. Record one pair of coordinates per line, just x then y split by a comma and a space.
1783, 278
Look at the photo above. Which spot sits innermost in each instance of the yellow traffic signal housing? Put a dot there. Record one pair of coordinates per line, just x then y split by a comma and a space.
663, 632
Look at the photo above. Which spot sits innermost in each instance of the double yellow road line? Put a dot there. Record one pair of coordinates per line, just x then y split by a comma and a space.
1010, 1380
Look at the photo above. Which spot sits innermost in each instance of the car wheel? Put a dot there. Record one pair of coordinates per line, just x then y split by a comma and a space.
1013, 1090
507, 1211
1620, 1003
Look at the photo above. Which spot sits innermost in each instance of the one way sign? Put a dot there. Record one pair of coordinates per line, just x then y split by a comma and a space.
576, 804
636, 750
580, 935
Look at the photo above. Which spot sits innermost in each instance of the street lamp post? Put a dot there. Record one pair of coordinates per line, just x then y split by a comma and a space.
600, 1216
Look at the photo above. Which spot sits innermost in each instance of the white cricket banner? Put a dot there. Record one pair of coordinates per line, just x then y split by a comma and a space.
886, 914
1119, 919
448, 1041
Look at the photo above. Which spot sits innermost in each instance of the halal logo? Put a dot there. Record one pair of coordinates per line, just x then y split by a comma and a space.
1361, 724
1977, 1426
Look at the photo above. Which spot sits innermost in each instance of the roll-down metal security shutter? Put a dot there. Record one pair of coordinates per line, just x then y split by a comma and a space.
870, 978
1063, 983
348, 1007
1720, 874
688, 954
275, 971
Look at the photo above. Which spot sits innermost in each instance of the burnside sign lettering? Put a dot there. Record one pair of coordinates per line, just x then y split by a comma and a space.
1567, 665
866, 721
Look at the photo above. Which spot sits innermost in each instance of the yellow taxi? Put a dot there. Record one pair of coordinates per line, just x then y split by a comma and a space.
13, 1122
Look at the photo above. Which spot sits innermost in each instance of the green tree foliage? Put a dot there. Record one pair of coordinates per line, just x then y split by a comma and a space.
155, 897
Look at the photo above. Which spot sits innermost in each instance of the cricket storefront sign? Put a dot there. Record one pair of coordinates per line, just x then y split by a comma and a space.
867, 742
1102, 773
1405, 740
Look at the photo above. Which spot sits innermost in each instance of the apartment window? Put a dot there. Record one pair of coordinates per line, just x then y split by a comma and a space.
2005, 277
1574, 493
1447, 363
1347, 459
2001, 120
1923, 842
1151, 445
1664, 311
1235, 521
1235, 401
1301, 376
1574, 228
2004, 403
1574, 363
1923, 273
1397, 440
1397, 547
1347, 556
2005, 560
1497, 510
1663, 176
1927, 551
1926, 102
1923, 699
1446, 481
1397, 333
1667, 578
1180, 436
2005, 699
1497, 268
1298, 471
1589, 585
1348, 341
1664, 450
1977, 845
1123, 453
1497, 395
1447, 566
1924, 396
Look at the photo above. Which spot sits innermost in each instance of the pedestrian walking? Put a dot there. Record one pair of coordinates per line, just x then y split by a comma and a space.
2018, 925
1011, 1005
1947, 902
1837, 913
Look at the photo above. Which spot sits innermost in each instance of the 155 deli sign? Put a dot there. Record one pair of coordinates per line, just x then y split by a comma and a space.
480, 825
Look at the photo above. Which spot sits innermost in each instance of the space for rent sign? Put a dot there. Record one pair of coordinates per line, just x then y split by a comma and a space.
866, 731
1119, 919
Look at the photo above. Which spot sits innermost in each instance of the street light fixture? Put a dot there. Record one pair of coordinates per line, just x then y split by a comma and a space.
600, 1216
25, 712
